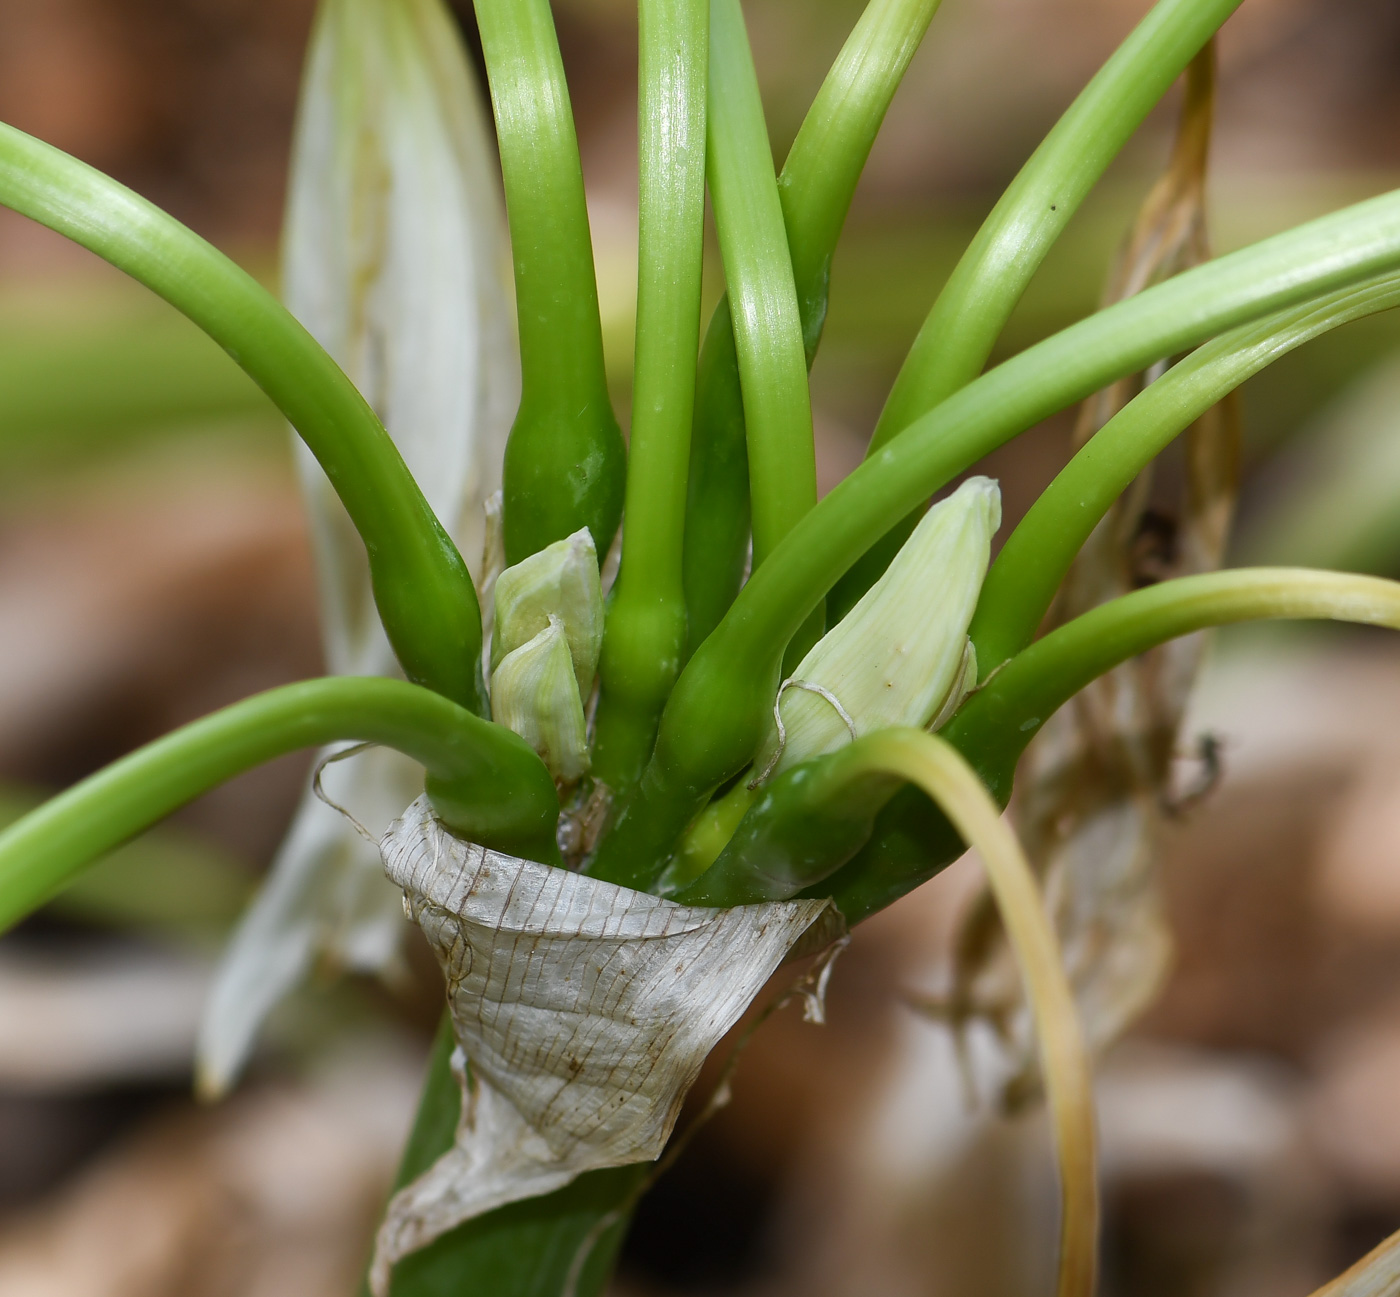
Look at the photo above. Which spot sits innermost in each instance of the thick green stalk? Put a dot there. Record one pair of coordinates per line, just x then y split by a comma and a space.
815, 188
1022, 582
803, 829
717, 493
826, 159
421, 586
485, 782
714, 718
762, 295
646, 627
565, 461
972, 309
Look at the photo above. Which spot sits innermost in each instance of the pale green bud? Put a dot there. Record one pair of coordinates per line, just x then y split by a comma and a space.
901, 656
561, 581
535, 693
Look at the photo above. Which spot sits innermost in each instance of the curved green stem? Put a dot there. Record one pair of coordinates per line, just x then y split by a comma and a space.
997, 722
969, 314
421, 586
826, 159
891, 757
485, 782
911, 839
974, 305
815, 188
714, 718
941, 773
565, 460
1022, 582
646, 626
762, 294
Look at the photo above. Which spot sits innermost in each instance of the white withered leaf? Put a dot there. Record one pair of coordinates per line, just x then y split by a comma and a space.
560, 581
583, 1009
394, 258
322, 902
900, 653
534, 692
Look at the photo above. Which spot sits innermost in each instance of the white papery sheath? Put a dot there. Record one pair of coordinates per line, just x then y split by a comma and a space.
394, 259
584, 1009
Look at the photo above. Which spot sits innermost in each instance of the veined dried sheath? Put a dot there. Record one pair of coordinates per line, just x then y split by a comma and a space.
584, 1009
394, 259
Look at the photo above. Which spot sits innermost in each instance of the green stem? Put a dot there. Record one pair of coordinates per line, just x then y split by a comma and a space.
1022, 582
565, 460
646, 626
714, 718
997, 722
717, 494
826, 159
911, 840
974, 305
762, 295
421, 586
815, 189
969, 314
486, 783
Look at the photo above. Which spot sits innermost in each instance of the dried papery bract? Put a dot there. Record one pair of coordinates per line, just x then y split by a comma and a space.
583, 1011
394, 259
1093, 785
1377, 1274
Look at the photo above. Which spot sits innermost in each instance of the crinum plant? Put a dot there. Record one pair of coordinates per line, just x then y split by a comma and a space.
637, 806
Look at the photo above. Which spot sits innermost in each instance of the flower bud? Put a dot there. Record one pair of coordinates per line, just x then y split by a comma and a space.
558, 583
901, 656
535, 693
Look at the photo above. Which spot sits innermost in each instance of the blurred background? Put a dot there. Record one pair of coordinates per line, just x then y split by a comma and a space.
154, 565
